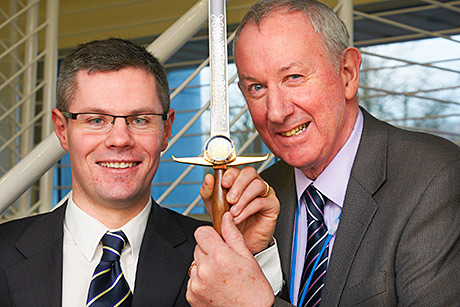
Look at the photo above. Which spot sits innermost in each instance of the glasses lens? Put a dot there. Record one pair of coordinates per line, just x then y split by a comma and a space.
144, 122
95, 122
103, 122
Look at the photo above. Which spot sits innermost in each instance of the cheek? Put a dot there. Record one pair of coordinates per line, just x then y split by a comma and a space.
152, 146
258, 114
81, 146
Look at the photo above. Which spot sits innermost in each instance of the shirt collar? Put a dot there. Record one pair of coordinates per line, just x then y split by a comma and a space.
86, 231
333, 181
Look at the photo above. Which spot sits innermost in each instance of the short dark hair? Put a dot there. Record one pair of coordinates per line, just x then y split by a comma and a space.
111, 54
323, 19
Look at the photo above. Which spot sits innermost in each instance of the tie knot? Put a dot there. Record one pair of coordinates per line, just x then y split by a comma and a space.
315, 203
112, 244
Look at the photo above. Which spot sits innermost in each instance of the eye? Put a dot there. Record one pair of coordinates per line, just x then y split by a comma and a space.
97, 120
257, 87
294, 76
139, 120
255, 90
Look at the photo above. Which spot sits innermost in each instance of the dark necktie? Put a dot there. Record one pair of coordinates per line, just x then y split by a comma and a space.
108, 284
317, 233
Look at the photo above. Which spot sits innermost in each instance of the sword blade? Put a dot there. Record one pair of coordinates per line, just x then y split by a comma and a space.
218, 68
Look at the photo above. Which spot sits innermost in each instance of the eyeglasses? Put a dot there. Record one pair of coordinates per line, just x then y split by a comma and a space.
100, 122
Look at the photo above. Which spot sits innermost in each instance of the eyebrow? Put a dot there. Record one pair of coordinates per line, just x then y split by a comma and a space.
292, 65
281, 70
103, 111
247, 78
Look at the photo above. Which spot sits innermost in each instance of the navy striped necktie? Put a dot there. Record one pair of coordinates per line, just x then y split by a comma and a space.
317, 233
108, 284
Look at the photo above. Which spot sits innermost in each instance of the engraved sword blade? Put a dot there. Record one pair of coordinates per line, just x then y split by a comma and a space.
218, 68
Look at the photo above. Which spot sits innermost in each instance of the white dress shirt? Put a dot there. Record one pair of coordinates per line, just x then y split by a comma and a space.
332, 183
82, 251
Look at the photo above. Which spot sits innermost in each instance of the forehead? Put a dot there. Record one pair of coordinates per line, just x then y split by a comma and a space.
280, 38
125, 90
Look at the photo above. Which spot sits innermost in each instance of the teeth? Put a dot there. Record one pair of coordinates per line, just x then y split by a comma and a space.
296, 131
117, 164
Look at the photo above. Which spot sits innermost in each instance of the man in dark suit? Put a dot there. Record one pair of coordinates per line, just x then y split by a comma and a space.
114, 119
395, 194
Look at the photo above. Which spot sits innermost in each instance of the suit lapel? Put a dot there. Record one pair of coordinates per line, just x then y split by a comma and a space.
281, 177
367, 175
37, 281
163, 262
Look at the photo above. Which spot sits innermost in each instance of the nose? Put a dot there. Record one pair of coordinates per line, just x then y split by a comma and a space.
279, 105
119, 135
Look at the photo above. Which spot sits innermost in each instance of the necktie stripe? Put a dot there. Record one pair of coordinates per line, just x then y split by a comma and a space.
318, 300
315, 203
123, 299
317, 234
112, 234
106, 290
108, 285
112, 250
315, 244
96, 275
314, 283
314, 232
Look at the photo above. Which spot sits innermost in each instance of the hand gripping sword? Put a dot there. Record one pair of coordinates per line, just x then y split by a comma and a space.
219, 149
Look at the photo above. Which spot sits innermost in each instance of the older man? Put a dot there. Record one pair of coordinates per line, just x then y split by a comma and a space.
394, 194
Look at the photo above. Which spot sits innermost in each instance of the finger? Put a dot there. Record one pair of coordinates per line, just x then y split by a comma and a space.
230, 176
241, 183
266, 207
255, 189
208, 240
233, 236
198, 255
206, 192
192, 285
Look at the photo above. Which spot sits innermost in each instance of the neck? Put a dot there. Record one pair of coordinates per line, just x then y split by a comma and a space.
312, 172
115, 214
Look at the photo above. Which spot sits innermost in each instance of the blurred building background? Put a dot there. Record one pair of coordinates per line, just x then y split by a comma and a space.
410, 78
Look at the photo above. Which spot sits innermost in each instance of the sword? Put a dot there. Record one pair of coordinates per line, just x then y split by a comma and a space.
219, 149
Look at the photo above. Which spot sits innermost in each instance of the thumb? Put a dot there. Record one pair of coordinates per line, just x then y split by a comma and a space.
233, 237
206, 192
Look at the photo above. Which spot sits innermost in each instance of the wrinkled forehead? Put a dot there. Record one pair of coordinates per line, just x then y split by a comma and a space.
277, 34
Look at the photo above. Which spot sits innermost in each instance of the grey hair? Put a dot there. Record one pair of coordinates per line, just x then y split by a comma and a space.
323, 19
111, 54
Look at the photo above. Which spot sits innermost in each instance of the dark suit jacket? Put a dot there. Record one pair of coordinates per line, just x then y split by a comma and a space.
31, 260
398, 241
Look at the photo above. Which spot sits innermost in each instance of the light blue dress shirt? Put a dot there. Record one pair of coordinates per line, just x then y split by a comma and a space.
332, 183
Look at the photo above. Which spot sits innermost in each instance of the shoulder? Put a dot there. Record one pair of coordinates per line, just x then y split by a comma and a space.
278, 171
12, 230
408, 149
26, 237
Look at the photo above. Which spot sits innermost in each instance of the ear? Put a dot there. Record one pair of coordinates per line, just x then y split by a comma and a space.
60, 128
168, 128
351, 63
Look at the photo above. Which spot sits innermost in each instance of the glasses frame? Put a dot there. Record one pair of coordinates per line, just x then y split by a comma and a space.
73, 116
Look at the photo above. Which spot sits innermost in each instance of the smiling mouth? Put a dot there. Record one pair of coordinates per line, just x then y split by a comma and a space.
296, 131
118, 165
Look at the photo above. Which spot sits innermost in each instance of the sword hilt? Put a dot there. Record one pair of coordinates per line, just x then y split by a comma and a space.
219, 198
219, 153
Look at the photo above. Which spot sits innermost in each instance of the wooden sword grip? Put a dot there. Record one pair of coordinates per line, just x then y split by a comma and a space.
219, 198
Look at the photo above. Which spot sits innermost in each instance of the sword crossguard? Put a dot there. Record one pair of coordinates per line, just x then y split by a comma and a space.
220, 150
219, 153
